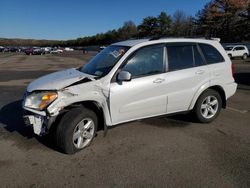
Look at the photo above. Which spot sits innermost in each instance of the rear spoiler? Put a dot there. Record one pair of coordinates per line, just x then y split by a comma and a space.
216, 39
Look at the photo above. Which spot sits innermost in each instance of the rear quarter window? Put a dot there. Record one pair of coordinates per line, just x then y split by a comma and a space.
211, 54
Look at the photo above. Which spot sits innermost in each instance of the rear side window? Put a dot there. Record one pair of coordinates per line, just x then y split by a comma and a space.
180, 57
211, 54
183, 56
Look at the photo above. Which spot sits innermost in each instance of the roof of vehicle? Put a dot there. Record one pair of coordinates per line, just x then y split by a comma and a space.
131, 43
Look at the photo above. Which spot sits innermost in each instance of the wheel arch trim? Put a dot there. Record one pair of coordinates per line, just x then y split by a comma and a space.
102, 108
203, 88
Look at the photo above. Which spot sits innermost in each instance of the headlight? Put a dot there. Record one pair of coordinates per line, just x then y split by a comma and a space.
40, 100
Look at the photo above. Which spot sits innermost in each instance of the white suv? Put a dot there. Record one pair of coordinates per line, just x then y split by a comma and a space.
237, 51
128, 81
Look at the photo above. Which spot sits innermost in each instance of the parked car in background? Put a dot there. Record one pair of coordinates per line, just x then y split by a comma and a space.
6, 49
34, 51
14, 49
127, 81
23, 49
237, 51
102, 48
28, 51
67, 49
38, 51
56, 51
47, 50
1, 48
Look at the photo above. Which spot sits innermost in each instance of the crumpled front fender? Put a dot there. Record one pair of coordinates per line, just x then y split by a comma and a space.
78, 94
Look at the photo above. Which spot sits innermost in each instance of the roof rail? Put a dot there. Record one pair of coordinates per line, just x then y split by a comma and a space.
191, 37
155, 38
207, 38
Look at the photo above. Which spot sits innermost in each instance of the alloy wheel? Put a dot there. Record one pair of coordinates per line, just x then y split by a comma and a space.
83, 133
209, 107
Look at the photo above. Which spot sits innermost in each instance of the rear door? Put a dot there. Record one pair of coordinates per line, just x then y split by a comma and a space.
187, 72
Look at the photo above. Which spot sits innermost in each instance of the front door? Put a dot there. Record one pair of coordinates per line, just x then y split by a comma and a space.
145, 94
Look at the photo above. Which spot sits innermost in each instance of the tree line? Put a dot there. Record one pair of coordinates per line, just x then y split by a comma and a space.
28, 42
226, 19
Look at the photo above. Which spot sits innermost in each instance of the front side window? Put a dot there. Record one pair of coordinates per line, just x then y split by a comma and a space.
104, 61
146, 61
211, 54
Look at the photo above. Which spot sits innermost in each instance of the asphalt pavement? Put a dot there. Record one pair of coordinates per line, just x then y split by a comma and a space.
158, 152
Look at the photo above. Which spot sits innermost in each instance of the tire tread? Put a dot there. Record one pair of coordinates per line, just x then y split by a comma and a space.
66, 126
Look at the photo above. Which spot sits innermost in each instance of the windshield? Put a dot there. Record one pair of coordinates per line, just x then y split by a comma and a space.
228, 48
104, 61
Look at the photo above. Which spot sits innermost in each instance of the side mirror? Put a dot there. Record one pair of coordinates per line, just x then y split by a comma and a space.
124, 76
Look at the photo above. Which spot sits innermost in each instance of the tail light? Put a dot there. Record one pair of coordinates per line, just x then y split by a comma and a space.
232, 66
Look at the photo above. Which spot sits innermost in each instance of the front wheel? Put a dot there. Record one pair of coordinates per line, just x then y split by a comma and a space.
208, 106
76, 130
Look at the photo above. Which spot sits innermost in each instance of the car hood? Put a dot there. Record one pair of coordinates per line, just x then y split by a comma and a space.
58, 80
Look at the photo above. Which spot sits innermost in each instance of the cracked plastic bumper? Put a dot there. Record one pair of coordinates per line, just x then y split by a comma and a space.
41, 124
37, 122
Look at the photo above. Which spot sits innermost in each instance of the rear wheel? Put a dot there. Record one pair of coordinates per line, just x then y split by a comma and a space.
244, 57
208, 106
76, 130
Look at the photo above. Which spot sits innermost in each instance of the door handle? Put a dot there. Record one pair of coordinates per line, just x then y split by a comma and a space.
200, 72
158, 80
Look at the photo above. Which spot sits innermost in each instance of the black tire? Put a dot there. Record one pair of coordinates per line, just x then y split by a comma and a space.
67, 125
244, 57
201, 100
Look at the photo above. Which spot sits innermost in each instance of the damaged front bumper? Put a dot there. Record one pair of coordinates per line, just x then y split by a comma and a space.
40, 123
